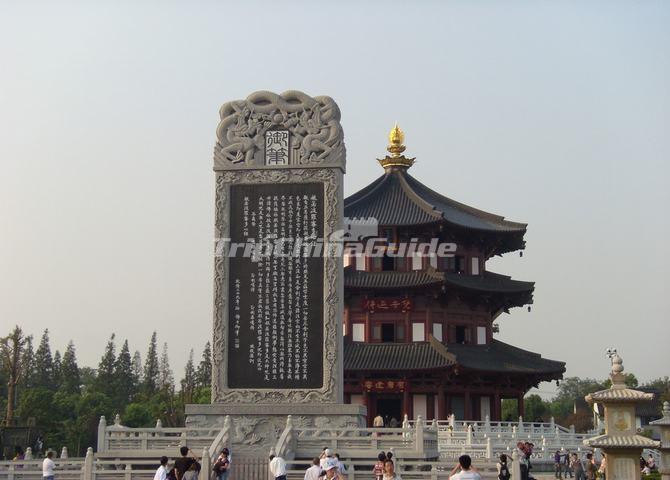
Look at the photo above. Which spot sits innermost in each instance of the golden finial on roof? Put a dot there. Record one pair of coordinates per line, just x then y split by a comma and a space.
396, 139
395, 148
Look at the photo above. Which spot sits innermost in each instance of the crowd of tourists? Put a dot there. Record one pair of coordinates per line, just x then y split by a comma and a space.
569, 465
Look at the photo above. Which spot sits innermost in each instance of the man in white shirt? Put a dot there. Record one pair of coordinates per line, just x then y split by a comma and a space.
467, 471
313, 472
161, 473
48, 466
277, 468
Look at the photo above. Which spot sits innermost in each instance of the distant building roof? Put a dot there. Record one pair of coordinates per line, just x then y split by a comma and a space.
496, 357
397, 198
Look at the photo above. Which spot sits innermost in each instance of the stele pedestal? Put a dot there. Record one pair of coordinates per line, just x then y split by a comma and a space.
277, 346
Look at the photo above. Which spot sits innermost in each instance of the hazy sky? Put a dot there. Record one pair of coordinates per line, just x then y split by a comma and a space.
552, 113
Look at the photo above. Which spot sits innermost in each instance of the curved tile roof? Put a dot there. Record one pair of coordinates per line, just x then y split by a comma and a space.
390, 279
495, 357
501, 357
395, 356
487, 282
397, 198
621, 441
614, 395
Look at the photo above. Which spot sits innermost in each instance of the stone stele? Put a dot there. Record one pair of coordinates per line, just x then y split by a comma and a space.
273, 141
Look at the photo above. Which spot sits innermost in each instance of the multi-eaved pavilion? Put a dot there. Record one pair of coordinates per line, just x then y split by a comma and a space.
419, 328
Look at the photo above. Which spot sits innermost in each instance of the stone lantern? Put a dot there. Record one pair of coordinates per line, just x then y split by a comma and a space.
663, 425
621, 444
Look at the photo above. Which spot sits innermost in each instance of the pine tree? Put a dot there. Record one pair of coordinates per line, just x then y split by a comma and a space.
165, 377
105, 375
44, 364
123, 377
28, 364
150, 379
71, 380
204, 373
136, 370
189, 380
57, 369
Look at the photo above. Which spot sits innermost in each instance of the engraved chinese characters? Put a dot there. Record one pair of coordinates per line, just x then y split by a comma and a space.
276, 288
276, 147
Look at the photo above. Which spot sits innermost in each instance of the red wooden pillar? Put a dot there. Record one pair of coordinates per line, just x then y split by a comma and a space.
441, 404
467, 406
368, 327
347, 322
407, 407
497, 406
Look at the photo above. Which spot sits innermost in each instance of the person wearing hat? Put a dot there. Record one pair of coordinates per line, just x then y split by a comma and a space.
331, 470
326, 455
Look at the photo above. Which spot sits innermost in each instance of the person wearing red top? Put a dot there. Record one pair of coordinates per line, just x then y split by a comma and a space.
378, 469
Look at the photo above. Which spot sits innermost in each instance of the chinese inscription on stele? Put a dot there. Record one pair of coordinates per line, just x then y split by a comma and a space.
276, 293
276, 147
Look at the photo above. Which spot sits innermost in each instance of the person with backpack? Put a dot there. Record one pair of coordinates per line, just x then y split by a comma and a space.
503, 468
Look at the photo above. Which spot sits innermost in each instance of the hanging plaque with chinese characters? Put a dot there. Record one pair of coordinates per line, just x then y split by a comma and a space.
275, 315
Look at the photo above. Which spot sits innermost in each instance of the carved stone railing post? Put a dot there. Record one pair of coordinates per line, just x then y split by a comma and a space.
468, 436
102, 441
514, 436
128, 472
418, 436
487, 424
88, 473
206, 465
10, 471
63, 453
520, 427
29, 454
489, 449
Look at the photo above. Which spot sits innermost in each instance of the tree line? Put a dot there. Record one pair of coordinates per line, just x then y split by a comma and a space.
568, 406
65, 401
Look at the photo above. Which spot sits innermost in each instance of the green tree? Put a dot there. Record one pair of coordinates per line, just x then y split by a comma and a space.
536, 409
28, 362
136, 370
204, 373
662, 385
151, 379
165, 377
89, 408
44, 364
123, 377
137, 415
188, 383
70, 378
105, 374
11, 350
57, 368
